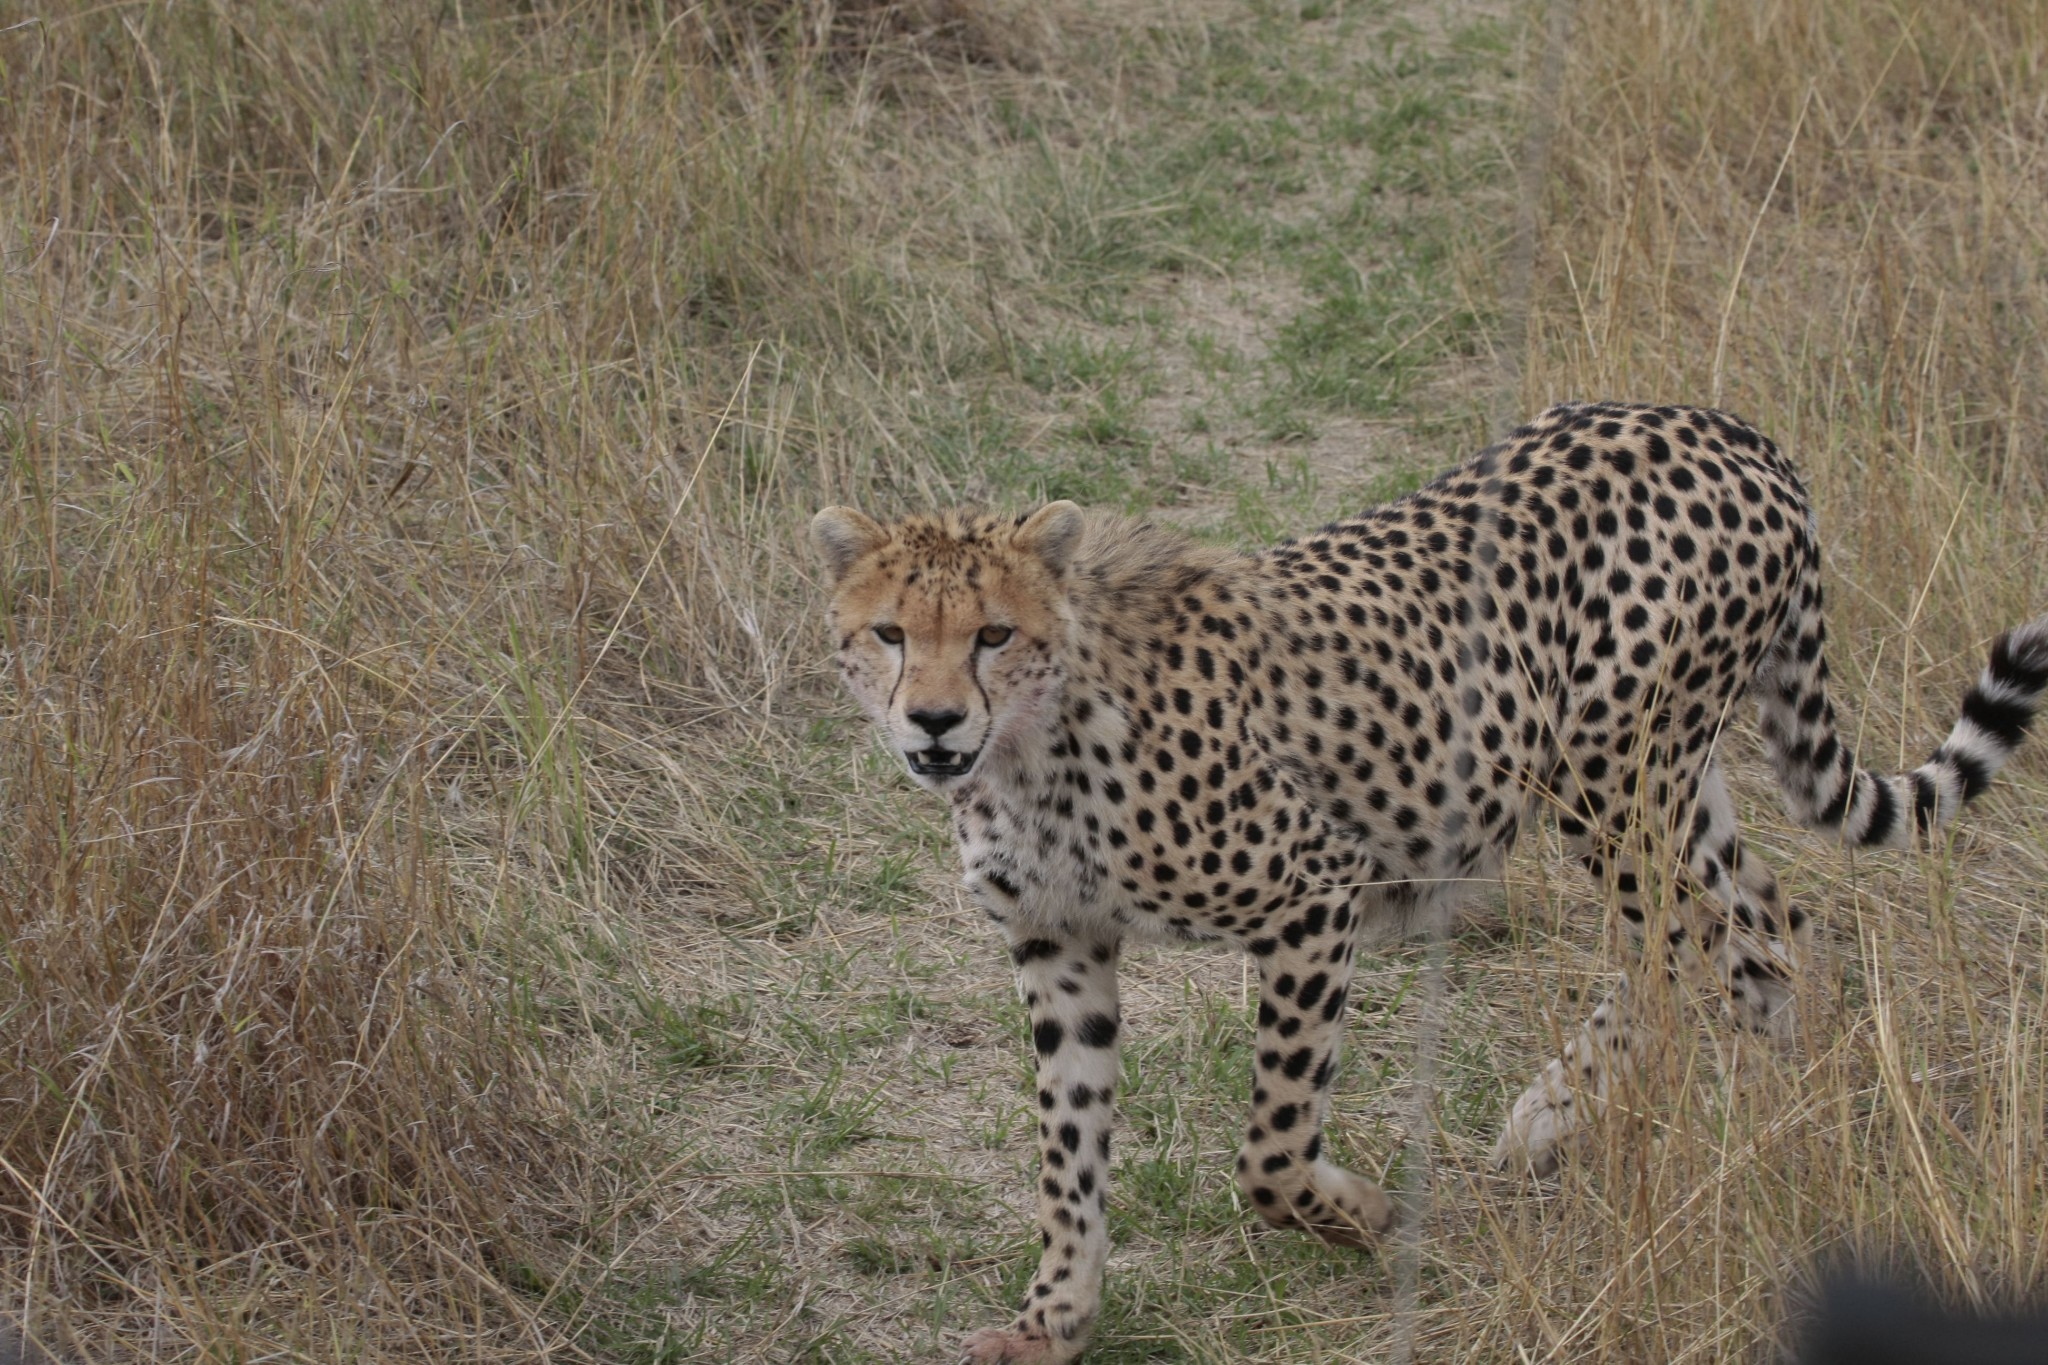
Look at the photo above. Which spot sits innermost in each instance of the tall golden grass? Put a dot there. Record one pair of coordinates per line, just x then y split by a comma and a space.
388, 435
1827, 218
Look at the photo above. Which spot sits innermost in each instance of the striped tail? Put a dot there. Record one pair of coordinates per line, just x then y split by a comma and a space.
1826, 790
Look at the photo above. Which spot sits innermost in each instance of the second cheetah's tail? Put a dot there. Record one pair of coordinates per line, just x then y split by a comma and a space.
1824, 787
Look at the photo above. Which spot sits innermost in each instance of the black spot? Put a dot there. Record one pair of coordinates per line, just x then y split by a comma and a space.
1032, 949
1046, 1036
1097, 1030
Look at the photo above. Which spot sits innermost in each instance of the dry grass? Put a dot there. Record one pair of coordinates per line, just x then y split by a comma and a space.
451, 914
1827, 218
390, 446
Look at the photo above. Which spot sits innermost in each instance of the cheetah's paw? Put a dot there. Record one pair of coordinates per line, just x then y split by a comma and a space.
1537, 1129
1017, 1346
1363, 1211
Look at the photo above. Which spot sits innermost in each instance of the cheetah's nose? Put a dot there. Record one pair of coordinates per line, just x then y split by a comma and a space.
936, 723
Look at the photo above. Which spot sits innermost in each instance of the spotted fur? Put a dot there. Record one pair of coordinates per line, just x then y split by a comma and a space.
1302, 750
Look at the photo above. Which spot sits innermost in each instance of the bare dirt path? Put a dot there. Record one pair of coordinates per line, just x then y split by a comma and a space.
1351, 345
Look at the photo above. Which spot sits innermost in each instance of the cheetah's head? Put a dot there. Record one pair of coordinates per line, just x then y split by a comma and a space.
952, 630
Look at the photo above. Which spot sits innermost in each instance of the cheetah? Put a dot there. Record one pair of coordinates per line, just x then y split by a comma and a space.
1303, 750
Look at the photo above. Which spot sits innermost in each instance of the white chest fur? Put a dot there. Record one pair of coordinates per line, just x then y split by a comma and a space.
1034, 829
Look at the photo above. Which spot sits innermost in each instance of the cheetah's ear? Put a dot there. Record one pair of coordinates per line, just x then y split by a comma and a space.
842, 536
1051, 533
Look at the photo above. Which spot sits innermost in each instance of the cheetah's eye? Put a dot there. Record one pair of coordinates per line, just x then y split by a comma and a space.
991, 636
889, 635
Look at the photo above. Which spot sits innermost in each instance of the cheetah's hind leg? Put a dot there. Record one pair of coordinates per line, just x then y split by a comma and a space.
1724, 926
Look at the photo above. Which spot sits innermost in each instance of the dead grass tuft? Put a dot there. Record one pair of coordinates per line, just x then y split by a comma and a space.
250, 1042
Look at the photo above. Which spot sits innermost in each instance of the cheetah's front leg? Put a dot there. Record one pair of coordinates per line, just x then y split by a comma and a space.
1302, 994
1070, 989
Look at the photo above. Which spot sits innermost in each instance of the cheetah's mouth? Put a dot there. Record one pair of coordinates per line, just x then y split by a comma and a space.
941, 762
